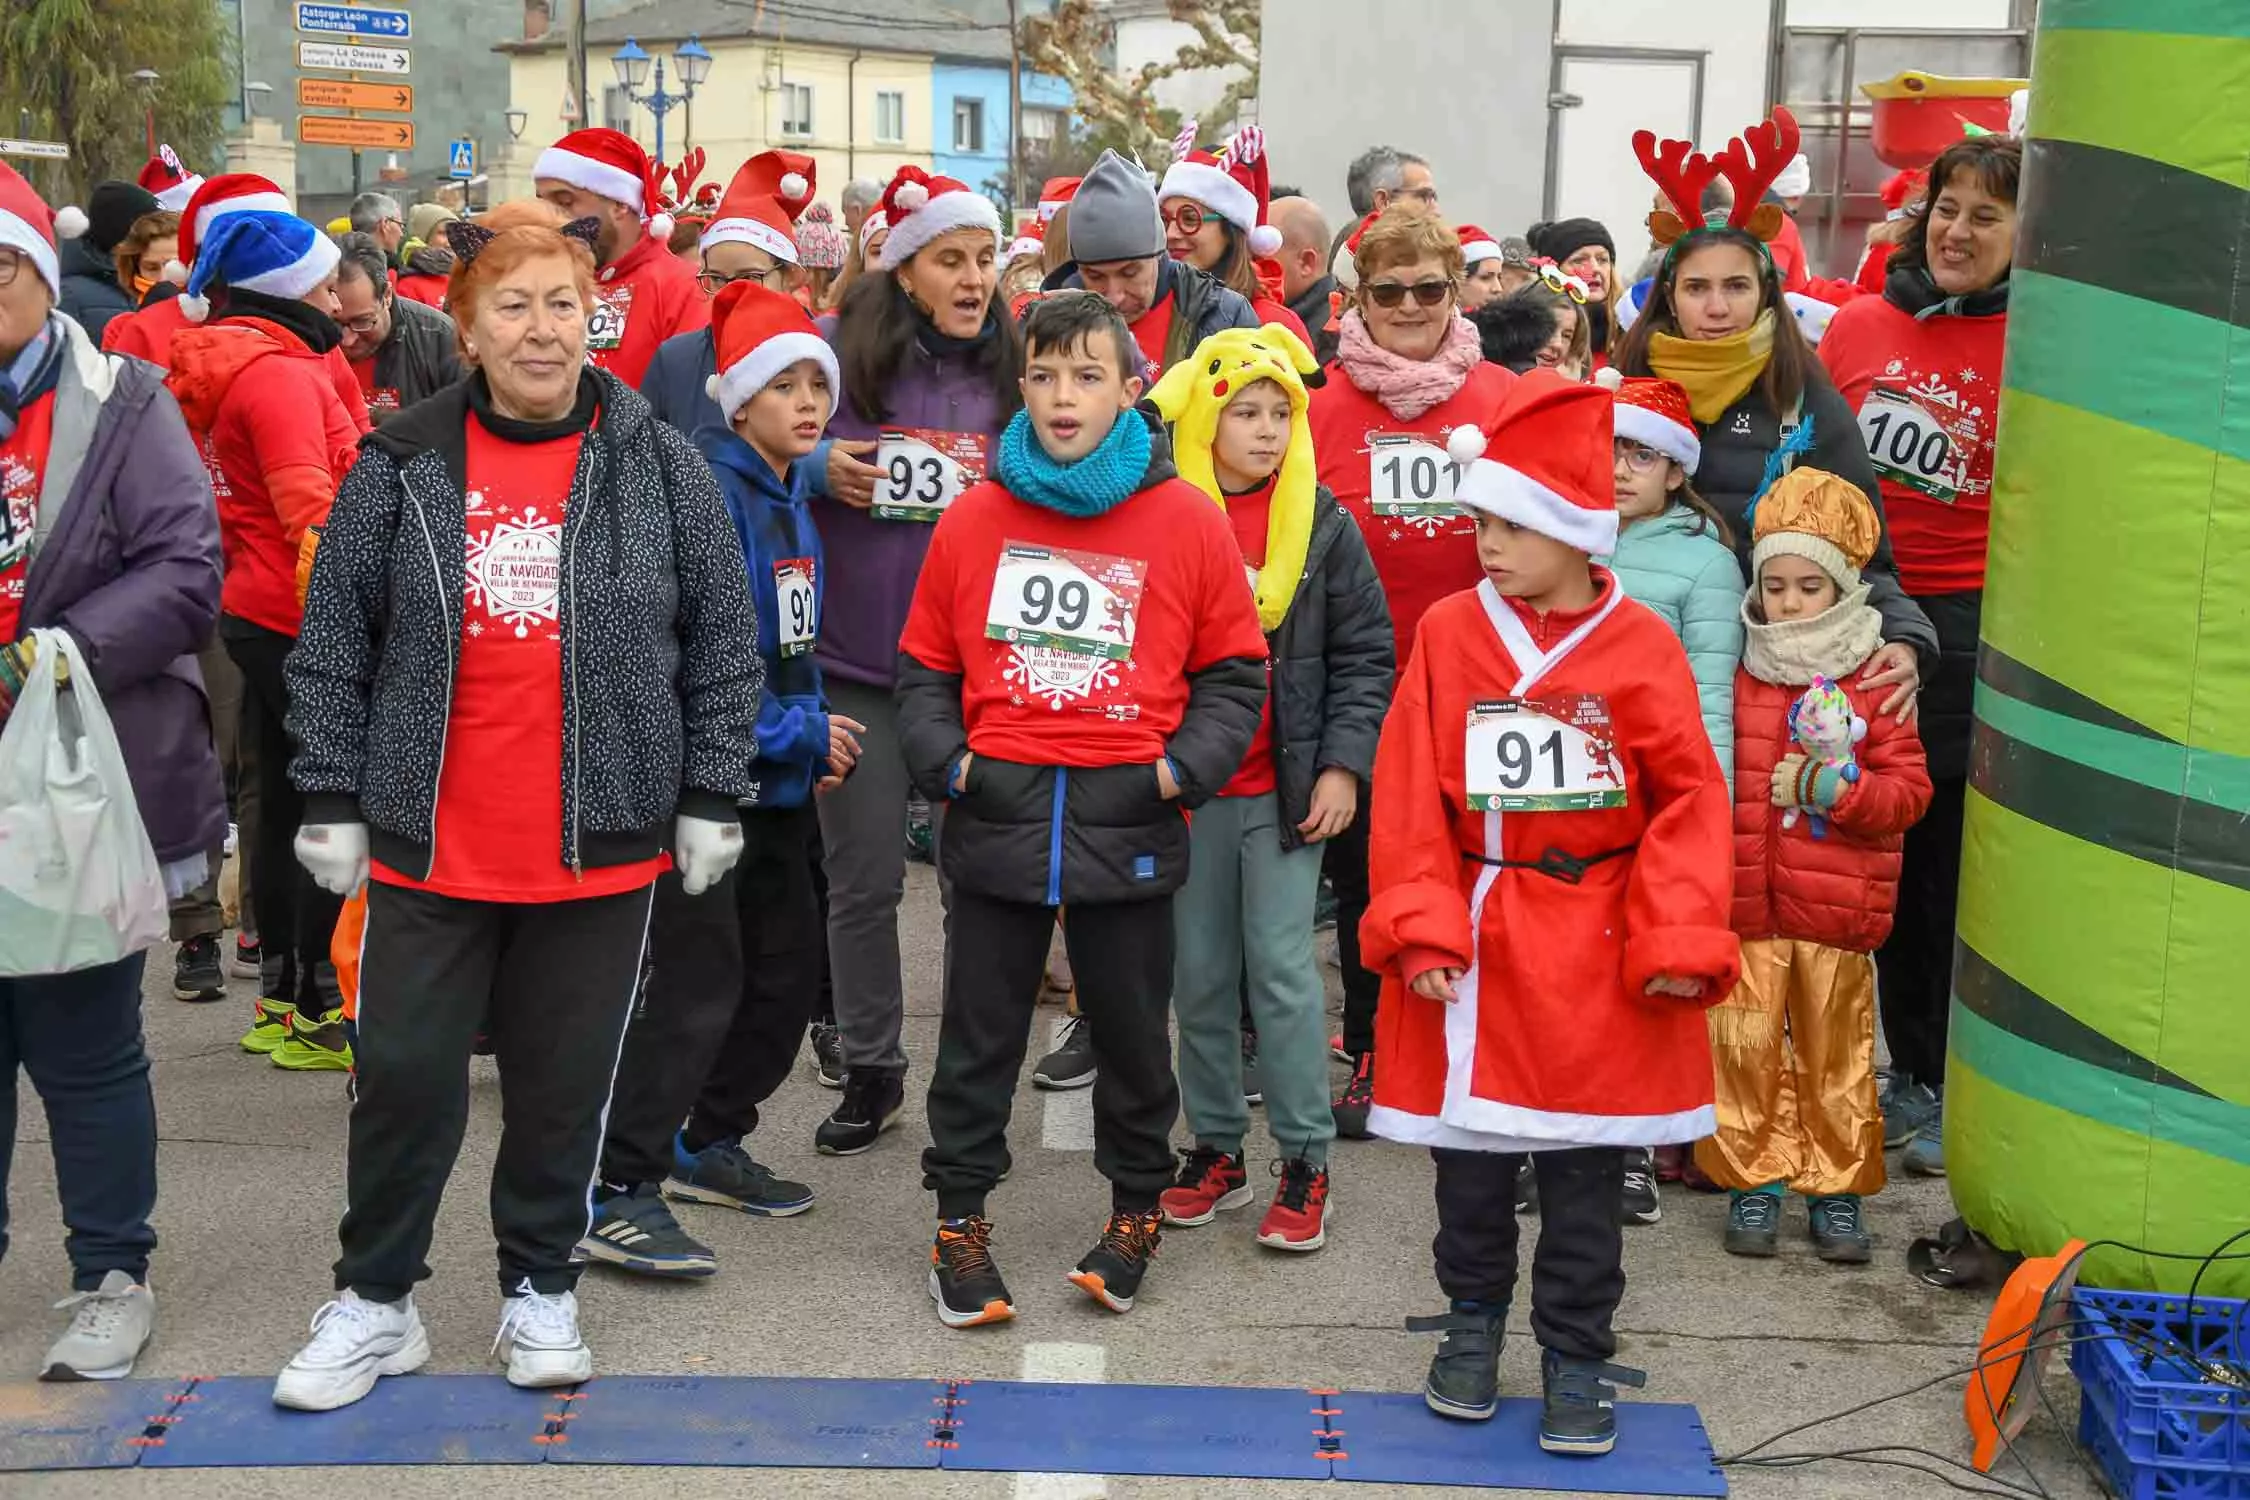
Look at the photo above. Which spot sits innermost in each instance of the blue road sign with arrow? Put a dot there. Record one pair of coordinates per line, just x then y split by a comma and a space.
355, 20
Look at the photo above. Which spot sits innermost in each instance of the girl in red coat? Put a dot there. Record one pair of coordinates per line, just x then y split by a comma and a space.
1825, 789
1549, 907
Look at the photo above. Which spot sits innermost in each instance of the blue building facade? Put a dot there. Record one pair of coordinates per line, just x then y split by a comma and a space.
970, 133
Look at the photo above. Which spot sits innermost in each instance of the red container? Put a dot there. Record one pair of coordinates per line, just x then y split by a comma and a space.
1917, 115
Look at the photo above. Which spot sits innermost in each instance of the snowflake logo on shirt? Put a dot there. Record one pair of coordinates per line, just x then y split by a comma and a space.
1060, 677
514, 571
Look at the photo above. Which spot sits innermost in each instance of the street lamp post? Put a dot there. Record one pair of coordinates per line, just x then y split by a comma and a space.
632, 64
147, 78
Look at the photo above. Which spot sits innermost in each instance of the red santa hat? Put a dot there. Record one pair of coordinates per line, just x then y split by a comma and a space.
1057, 192
29, 226
1654, 413
609, 164
1031, 239
1477, 245
919, 207
762, 204
1230, 182
1548, 463
170, 182
228, 193
760, 333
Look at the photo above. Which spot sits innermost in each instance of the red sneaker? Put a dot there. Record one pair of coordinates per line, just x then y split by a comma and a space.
1208, 1182
1297, 1219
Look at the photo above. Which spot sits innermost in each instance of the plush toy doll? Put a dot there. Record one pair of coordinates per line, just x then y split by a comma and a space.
1822, 723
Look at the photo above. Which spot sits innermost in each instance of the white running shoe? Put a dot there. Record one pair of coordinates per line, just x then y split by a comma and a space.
108, 1327
354, 1343
542, 1339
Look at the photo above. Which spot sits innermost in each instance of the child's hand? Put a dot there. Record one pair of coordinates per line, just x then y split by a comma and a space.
1436, 984
1685, 989
843, 743
961, 772
1895, 666
1785, 776
1166, 783
1335, 802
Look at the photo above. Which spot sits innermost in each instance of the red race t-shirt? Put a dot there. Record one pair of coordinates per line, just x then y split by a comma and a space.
1249, 514
23, 468
1151, 331
378, 397
499, 808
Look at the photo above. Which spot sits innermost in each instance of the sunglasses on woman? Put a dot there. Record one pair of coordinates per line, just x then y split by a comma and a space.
1556, 279
1186, 219
1392, 293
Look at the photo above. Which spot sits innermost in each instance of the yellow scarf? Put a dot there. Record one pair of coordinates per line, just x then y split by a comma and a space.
1715, 371
1193, 393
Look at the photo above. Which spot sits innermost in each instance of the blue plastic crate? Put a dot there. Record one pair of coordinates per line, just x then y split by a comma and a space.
2162, 1429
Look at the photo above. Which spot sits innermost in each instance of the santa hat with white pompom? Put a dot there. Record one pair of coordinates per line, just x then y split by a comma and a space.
919, 207
27, 225
759, 334
1232, 182
1548, 464
609, 164
762, 204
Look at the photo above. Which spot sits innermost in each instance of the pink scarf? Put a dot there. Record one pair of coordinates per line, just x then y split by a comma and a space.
1408, 387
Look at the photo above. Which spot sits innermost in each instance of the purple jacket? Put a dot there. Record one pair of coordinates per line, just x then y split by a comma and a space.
873, 565
126, 558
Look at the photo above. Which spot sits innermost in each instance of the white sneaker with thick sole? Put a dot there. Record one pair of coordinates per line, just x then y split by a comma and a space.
540, 1333
108, 1327
354, 1343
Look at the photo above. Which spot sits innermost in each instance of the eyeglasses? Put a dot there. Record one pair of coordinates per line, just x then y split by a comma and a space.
1561, 282
713, 282
1639, 457
1427, 196
1187, 219
11, 266
1393, 293
366, 323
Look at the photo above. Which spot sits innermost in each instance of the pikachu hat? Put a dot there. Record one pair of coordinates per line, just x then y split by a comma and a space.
1193, 393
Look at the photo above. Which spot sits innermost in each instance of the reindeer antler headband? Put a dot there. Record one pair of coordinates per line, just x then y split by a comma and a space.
1750, 163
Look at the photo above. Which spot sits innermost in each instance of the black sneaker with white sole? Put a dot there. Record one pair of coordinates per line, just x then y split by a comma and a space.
1579, 1406
1071, 1064
1111, 1272
1639, 1203
1464, 1378
198, 975
827, 1055
726, 1176
964, 1282
873, 1100
636, 1232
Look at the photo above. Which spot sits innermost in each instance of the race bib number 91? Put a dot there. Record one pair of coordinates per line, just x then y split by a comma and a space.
1410, 476
1533, 755
922, 471
1081, 602
1910, 443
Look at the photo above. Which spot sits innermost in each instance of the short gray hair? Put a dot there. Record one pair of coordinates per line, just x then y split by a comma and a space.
364, 253
1378, 169
862, 192
369, 210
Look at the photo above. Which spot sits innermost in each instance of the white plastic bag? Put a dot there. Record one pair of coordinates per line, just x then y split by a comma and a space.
79, 883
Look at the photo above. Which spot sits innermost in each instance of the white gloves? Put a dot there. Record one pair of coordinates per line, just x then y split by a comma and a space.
704, 850
335, 853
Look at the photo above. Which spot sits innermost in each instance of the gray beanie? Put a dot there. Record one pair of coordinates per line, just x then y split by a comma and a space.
1113, 216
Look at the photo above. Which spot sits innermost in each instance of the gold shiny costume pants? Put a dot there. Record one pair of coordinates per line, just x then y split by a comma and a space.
1794, 1051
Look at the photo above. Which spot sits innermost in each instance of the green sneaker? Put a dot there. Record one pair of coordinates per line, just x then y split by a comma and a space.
270, 1028
315, 1047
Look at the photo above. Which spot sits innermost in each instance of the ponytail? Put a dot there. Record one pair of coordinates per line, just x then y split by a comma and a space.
1713, 523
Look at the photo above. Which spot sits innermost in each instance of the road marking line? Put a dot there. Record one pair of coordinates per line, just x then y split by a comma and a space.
1079, 1364
1067, 1123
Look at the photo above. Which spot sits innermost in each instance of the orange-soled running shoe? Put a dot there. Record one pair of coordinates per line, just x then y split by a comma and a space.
1111, 1272
964, 1282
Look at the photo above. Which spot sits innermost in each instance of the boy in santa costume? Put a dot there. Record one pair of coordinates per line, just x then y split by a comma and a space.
643, 293
1550, 873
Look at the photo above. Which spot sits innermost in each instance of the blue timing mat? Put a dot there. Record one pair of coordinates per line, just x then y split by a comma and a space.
987, 1426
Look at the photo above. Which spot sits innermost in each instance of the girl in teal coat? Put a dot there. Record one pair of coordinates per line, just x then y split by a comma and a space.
1674, 553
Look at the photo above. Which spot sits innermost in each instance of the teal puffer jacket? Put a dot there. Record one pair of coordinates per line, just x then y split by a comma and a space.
1676, 565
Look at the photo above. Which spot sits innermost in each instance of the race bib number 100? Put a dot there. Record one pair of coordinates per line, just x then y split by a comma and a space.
1910, 443
1410, 476
1532, 755
920, 471
1083, 602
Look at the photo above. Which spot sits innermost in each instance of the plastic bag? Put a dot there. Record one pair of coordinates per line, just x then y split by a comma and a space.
79, 883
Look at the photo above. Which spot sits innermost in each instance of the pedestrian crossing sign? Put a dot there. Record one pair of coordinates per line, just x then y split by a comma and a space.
461, 159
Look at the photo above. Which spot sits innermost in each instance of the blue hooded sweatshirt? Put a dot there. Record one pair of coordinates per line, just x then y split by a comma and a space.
778, 538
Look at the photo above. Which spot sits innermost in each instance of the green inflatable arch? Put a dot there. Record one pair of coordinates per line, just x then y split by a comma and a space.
2099, 1081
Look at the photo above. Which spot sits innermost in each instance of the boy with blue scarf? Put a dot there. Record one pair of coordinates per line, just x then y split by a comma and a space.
734, 972
1082, 662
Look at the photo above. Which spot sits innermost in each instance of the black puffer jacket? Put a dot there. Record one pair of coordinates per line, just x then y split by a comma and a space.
1334, 661
90, 293
1202, 305
1735, 449
419, 359
661, 672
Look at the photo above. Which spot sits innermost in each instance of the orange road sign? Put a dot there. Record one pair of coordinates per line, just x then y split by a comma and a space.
360, 135
335, 93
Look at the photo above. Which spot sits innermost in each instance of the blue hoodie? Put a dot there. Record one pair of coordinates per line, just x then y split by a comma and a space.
771, 518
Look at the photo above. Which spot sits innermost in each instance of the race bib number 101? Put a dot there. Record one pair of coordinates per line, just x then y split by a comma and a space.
1083, 602
1410, 476
1532, 755
920, 472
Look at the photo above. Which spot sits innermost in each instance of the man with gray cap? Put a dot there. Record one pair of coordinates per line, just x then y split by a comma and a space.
1117, 251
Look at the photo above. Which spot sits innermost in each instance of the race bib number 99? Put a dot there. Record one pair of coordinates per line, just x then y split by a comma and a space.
1532, 755
1081, 602
1911, 444
794, 603
1410, 476
922, 471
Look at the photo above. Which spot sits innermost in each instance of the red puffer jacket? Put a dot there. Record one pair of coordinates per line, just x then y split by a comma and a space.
1840, 889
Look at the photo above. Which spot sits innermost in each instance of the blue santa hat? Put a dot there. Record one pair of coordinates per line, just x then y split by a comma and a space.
258, 251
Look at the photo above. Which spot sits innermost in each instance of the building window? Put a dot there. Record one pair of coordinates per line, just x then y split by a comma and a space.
890, 117
796, 109
968, 126
617, 110
1041, 128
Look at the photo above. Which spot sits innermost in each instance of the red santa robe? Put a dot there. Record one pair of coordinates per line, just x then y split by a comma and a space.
1552, 1040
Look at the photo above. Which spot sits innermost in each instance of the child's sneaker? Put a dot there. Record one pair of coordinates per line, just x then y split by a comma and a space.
1579, 1414
1527, 1187
1640, 1204
540, 1335
354, 1343
1253, 1081
1111, 1272
1297, 1219
1071, 1065
1907, 1106
725, 1176
269, 1026
1209, 1181
1839, 1233
873, 1100
1671, 1164
245, 963
827, 1055
1925, 1154
109, 1325
1753, 1223
1352, 1105
1464, 1378
636, 1232
964, 1282
315, 1046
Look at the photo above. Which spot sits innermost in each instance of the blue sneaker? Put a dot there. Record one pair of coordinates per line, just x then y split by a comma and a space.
1925, 1154
1907, 1106
636, 1232
1839, 1230
724, 1175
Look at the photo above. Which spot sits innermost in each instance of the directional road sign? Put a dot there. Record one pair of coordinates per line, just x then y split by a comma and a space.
335, 93
360, 135
51, 150
355, 20
461, 159
354, 59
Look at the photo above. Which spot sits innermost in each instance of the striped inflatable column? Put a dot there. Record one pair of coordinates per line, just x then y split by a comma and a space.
2099, 1083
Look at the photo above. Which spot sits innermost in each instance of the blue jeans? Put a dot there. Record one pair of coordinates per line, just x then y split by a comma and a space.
79, 1037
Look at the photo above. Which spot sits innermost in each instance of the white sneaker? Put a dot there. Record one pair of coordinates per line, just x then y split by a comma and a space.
355, 1342
108, 1327
542, 1339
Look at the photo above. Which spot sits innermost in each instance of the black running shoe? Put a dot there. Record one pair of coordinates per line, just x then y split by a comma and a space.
636, 1232
828, 1055
964, 1283
1111, 1272
1527, 1187
197, 974
1640, 1205
1071, 1064
1253, 1081
873, 1100
1464, 1378
1580, 1413
724, 1175
1358, 1097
